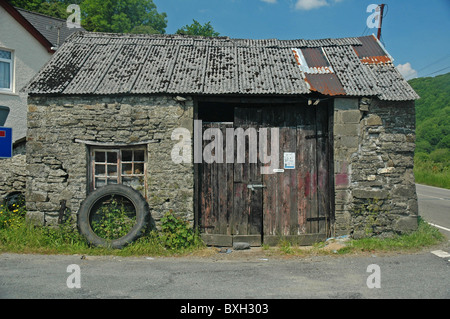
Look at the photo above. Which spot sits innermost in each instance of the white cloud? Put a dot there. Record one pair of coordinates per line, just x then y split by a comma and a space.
313, 4
407, 71
269, 1
310, 4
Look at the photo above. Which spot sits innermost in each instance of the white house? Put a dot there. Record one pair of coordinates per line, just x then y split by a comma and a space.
27, 41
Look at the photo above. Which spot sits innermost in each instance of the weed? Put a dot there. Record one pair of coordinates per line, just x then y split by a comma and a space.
113, 219
176, 233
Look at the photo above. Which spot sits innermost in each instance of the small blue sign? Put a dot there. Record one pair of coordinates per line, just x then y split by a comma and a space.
5, 142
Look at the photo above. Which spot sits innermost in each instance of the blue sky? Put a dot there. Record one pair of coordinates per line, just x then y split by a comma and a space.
416, 33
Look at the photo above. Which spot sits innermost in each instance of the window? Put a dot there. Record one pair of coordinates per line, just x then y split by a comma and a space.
6, 70
118, 166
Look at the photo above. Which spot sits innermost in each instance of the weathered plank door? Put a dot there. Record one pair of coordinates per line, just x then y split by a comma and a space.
296, 202
238, 203
247, 217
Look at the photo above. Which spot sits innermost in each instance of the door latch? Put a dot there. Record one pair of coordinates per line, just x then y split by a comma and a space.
253, 186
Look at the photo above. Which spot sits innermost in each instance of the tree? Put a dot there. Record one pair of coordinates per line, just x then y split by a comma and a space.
196, 28
144, 29
53, 8
137, 16
121, 16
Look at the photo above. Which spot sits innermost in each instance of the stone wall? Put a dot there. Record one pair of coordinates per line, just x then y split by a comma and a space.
60, 130
374, 145
13, 172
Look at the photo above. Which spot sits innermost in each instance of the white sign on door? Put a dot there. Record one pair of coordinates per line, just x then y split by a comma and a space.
289, 160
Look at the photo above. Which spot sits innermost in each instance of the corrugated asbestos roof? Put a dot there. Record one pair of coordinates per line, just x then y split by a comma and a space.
101, 63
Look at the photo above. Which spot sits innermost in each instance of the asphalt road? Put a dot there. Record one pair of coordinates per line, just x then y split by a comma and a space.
420, 275
434, 206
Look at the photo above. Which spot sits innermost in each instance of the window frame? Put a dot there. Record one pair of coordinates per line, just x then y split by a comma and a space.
119, 163
11, 71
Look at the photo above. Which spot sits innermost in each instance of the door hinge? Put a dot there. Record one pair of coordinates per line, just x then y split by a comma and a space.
309, 137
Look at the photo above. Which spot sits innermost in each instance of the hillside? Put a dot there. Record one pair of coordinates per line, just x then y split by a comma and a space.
432, 155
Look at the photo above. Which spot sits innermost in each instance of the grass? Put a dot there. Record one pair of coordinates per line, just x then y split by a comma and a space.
431, 173
45, 240
18, 236
425, 236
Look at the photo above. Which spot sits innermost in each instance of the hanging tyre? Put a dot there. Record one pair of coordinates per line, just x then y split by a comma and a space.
113, 216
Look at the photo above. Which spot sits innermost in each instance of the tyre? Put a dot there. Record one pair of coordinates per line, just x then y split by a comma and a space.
93, 216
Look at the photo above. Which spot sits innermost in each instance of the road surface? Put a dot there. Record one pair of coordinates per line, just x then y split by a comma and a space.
419, 275
434, 206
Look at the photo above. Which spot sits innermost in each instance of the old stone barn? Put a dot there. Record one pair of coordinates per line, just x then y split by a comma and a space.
250, 140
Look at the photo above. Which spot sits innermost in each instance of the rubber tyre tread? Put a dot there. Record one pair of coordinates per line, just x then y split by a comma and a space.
142, 216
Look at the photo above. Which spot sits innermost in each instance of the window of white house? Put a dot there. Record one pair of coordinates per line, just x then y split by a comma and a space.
6, 71
118, 166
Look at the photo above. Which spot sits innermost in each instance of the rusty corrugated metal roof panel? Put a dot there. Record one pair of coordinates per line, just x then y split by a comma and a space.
315, 57
312, 61
371, 51
327, 84
319, 74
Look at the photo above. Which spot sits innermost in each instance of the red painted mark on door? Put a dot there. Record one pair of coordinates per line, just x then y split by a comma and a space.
2, 133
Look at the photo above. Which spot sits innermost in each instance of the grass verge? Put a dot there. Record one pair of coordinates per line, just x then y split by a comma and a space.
17, 236
432, 174
425, 236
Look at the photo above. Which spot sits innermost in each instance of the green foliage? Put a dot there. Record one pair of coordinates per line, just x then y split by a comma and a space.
432, 112
425, 235
432, 173
432, 155
144, 29
53, 8
121, 16
118, 16
114, 220
196, 28
14, 216
177, 233
62, 235
17, 235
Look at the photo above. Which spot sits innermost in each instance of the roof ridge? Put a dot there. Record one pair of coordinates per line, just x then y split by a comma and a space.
269, 42
38, 13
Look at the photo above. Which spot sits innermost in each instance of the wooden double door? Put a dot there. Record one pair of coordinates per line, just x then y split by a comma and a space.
292, 199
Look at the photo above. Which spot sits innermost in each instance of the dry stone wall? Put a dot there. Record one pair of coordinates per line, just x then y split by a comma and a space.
61, 128
374, 145
13, 173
